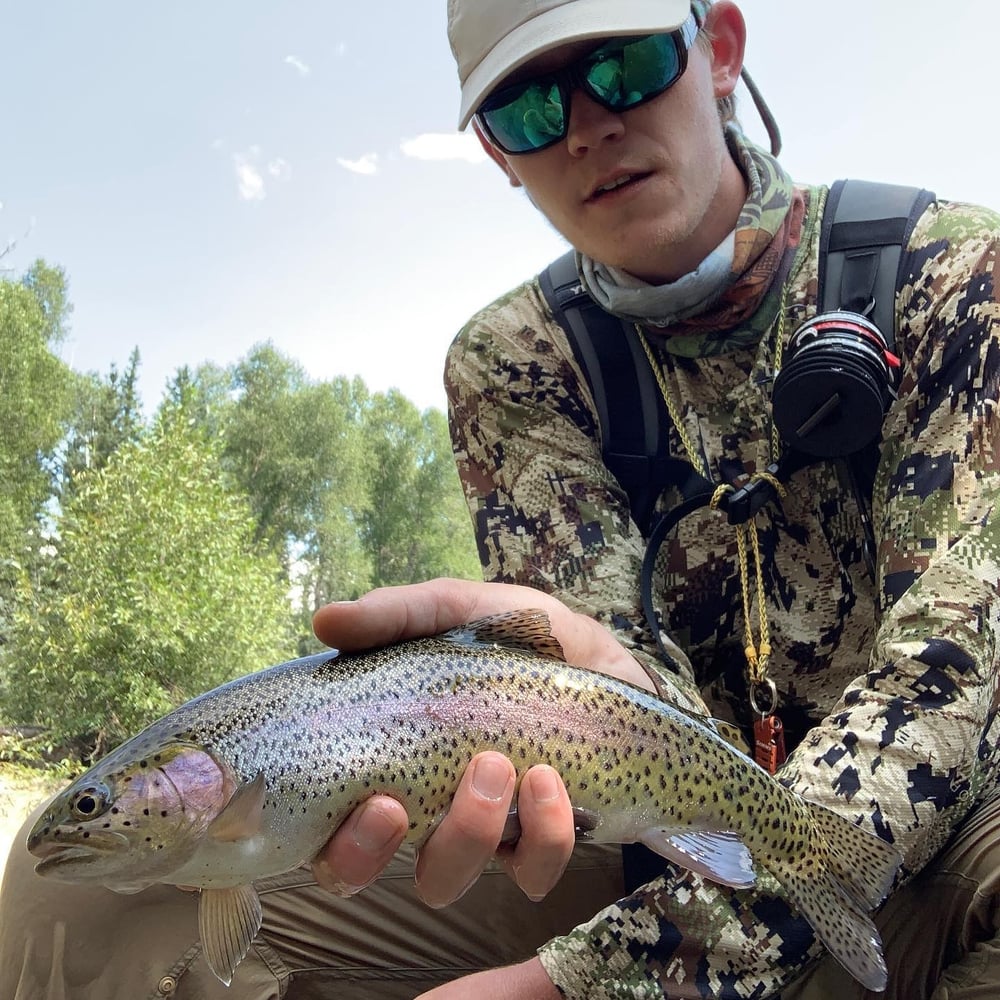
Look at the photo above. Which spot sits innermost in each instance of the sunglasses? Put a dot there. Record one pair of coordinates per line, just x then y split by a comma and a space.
621, 74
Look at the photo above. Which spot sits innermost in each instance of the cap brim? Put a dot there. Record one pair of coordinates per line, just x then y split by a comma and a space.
571, 22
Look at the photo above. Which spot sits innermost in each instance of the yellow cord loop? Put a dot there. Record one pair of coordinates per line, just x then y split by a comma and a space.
757, 653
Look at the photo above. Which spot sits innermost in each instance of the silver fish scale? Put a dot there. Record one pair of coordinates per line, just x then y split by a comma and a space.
329, 731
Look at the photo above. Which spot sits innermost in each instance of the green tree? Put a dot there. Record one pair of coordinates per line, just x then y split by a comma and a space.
160, 593
107, 413
415, 524
35, 400
287, 445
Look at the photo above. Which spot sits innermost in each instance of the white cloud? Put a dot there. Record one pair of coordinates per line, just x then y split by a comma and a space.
341, 49
439, 146
296, 63
367, 164
249, 180
280, 169
252, 174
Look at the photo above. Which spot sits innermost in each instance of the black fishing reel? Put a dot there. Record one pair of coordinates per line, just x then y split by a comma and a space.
835, 386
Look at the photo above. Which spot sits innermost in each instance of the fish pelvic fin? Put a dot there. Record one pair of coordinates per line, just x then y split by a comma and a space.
228, 921
242, 816
528, 630
865, 865
843, 927
719, 856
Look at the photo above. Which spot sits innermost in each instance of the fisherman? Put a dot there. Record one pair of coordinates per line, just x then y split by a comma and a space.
885, 683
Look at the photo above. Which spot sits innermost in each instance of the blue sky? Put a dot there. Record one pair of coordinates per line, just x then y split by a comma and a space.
217, 174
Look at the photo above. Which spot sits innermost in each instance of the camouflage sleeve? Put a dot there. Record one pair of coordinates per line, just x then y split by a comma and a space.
546, 512
907, 749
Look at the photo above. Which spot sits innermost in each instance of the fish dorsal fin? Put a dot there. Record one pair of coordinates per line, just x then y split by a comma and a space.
528, 630
719, 856
243, 814
228, 921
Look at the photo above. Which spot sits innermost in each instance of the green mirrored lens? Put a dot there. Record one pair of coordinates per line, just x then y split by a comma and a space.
533, 118
623, 75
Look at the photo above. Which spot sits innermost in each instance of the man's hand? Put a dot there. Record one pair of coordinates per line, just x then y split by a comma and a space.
468, 837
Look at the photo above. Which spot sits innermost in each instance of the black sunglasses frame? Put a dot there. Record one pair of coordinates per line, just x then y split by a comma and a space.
574, 76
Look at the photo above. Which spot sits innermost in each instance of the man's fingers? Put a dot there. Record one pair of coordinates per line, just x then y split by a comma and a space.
548, 834
362, 847
393, 613
466, 839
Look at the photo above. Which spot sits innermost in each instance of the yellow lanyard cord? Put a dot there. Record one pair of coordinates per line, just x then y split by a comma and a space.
757, 653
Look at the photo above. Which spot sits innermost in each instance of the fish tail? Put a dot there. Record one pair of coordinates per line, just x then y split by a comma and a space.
858, 871
865, 865
843, 927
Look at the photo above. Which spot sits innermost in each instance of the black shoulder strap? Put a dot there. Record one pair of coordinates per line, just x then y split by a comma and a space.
862, 262
865, 227
631, 414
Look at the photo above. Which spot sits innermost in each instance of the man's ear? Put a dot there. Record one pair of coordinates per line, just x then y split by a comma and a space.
494, 154
727, 33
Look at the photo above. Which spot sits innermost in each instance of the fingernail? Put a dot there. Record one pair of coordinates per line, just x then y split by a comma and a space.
373, 830
544, 784
491, 778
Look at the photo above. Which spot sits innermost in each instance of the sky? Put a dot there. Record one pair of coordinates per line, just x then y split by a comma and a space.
217, 174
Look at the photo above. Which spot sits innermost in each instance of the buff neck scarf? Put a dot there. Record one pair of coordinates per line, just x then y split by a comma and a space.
731, 282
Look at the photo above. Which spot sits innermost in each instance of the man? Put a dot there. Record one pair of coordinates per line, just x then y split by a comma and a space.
888, 686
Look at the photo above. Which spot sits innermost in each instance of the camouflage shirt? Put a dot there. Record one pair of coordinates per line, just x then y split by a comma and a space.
887, 687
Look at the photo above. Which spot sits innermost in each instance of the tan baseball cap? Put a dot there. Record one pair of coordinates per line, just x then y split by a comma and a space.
491, 38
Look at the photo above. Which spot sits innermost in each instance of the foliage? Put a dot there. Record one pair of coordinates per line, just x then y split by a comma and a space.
350, 489
160, 593
414, 511
107, 413
35, 394
147, 561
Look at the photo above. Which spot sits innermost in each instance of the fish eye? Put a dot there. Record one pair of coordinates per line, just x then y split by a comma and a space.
90, 802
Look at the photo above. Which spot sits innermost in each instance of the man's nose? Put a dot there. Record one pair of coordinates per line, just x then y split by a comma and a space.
591, 124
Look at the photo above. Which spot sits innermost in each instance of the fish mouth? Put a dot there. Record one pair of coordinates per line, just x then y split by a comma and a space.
52, 854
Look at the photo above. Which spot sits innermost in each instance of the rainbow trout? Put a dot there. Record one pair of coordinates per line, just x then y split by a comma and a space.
251, 779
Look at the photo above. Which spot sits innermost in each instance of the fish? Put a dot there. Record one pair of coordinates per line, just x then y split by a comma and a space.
251, 779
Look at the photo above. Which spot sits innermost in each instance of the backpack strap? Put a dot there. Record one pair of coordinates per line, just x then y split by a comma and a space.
862, 262
865, 227
632, 417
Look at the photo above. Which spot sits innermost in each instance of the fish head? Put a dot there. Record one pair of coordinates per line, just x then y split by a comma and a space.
132, 818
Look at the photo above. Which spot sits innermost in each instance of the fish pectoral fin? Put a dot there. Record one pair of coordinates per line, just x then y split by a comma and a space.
228, 921
720, 856
242, 816
128, 888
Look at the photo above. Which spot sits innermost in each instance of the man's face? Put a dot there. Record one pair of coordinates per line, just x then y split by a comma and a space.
653, 189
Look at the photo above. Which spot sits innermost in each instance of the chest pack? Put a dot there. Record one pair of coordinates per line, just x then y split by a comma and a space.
836, 381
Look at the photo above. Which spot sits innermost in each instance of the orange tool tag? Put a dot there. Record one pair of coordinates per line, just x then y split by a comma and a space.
769, 742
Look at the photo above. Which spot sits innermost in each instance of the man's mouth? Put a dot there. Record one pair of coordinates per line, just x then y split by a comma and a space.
615, 184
